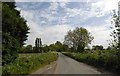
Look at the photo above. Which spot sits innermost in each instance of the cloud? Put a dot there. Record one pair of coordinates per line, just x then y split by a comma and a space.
101, 34
52, 21
51, 0
48, 33
55, 33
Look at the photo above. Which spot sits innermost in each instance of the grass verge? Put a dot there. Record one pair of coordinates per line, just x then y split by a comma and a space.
27, 63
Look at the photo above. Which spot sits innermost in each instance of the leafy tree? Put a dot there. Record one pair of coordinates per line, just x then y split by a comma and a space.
38, 45
108, 48
79, 38
45, 48
64, 47
52, 47
58, 46
115, 41
97, 47
14, 31
28, 49
10, 48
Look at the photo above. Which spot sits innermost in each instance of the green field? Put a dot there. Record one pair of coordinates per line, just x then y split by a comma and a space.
27, 63
101, 58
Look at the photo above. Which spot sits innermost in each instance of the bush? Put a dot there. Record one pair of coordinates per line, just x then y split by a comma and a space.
103, 58
9, 49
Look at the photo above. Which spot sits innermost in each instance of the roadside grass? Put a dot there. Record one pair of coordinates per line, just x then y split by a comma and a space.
106, 59
27, 63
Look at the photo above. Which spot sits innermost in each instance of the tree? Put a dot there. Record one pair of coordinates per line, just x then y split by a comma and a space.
26, 49
115, 41
78, 39
45, 48
52, 47
97, 47
29, 49
14, 32
58, 46
64, 47
38, 45
108, 48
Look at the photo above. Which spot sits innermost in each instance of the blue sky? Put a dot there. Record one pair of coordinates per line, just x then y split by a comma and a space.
51, 20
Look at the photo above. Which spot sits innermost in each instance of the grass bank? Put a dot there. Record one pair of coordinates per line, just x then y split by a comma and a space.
27, 63
104, 59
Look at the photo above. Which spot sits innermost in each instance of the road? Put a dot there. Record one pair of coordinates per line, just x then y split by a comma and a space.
66, 65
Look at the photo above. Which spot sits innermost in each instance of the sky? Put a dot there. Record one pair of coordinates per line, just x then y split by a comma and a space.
51, 20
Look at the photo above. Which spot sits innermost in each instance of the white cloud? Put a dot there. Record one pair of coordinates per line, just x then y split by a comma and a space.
101, 34
49, 34
103, 7
50, 0
63, 4
55, 33
52, 33
98, 8
54, 6
73, 12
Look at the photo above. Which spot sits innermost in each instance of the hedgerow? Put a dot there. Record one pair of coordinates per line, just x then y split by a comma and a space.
101, 58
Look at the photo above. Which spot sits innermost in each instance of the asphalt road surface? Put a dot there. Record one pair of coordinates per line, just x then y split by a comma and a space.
66, 65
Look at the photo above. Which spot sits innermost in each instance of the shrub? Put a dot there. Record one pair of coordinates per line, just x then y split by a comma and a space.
104, 58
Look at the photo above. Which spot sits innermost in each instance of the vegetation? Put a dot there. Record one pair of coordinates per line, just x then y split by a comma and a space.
97, 47
78, 39
27, 63
26, 49
115, 41
58, 46
14, 32
105, 59
109, 59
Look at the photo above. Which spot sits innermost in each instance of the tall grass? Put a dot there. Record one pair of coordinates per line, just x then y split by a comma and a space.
27, 63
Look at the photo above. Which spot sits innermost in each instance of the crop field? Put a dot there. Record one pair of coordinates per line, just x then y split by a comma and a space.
27, 63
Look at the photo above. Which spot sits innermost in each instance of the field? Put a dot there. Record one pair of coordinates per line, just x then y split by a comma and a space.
105, 58
27, 63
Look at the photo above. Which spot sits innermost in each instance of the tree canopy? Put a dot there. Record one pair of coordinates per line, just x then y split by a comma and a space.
79, 38
14, 31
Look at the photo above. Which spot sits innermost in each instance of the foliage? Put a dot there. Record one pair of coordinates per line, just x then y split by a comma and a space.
26, 49
79, 38
97, 47
104, 58
52, 47
58, 46
27, 63
14, 31
64, 47
45, 48
10, 47
38, 45
115, 41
